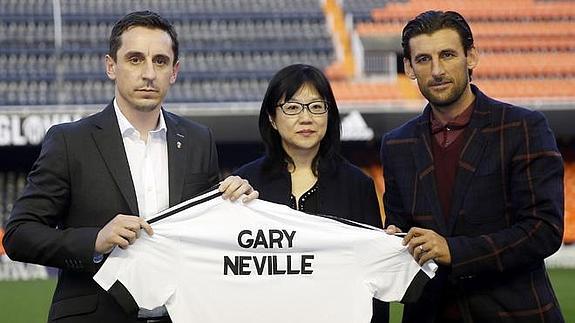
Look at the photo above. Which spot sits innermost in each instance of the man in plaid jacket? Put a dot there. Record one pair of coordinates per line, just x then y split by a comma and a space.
477, 184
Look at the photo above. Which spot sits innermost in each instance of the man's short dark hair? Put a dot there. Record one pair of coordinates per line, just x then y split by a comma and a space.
432, 21
146, 19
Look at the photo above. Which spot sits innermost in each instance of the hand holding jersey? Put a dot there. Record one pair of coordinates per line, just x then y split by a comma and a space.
234, 187
123, 230
424, 245
427, 245
266, 259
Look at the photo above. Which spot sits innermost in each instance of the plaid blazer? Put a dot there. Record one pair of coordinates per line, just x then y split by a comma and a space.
506, 215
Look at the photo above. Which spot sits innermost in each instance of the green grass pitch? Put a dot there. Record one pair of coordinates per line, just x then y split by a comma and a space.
28, 302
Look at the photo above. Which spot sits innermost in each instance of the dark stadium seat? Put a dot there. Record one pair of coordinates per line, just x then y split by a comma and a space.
226, 44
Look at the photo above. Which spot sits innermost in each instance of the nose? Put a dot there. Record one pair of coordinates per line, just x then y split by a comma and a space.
149, 72
436, 68
305, 116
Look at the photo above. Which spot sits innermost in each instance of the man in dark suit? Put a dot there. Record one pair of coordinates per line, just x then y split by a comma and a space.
96, 180
476, 183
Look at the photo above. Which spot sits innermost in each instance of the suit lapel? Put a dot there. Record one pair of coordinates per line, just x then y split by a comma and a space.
177, 148
109, 142
423, 156
470, 156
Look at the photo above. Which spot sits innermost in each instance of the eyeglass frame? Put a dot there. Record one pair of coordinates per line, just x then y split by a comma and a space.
304, 106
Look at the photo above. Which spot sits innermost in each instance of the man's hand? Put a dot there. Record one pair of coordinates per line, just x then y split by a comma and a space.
427, 245
121, 231
233, 187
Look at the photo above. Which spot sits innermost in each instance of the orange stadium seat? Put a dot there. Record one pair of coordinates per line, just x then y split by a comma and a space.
569, 234
489, 10
531, 64
528, 88
376, 173
524, 28
366, 91
519, 57
527, 29
379, 28
523, 44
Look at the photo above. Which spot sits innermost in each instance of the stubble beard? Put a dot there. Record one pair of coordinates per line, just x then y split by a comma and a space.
147, 107
148, 104
446, 99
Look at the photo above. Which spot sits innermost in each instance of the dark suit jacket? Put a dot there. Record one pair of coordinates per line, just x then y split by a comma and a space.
80, 181
506, 214
344, 191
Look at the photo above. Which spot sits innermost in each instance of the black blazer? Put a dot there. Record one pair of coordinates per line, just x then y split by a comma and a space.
344, 191
80, 181
506, 214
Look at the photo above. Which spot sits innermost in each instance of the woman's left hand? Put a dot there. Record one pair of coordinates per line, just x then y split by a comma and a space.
233, 187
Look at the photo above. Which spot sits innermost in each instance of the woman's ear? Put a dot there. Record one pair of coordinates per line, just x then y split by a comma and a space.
273, 123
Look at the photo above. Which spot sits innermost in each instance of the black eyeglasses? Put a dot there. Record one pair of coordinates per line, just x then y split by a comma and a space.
292, 108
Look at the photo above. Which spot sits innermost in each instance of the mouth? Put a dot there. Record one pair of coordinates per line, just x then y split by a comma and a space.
147, 90
306, 132
439, 85
147, 93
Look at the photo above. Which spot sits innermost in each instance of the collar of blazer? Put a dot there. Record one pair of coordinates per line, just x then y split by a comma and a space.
471, 156
480, 118
108, 139
178, 146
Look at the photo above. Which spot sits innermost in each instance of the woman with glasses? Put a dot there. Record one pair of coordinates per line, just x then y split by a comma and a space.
300, 126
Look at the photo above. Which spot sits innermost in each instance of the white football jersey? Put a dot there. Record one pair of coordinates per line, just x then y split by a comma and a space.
212, 260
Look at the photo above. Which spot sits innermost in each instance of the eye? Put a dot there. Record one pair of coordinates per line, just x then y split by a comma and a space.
291, 107
447, 55
422, 59
161, 60
135, 59
317, 107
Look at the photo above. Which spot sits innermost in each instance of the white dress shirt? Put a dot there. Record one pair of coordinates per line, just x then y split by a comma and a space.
148, 162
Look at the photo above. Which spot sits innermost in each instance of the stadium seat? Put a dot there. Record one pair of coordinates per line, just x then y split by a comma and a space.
569, 235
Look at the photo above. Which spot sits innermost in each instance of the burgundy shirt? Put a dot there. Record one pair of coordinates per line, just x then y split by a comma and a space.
447, 144
446, 149
446, 133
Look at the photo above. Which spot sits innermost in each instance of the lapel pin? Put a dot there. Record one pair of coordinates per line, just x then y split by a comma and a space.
179, 145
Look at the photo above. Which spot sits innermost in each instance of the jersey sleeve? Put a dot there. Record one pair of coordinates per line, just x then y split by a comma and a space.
143, 275
390, 272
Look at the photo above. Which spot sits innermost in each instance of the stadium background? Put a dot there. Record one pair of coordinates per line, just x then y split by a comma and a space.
51, 71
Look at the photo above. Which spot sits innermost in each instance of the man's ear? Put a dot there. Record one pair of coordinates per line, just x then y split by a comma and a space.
408, 68
472, 58
110, 67
175, 70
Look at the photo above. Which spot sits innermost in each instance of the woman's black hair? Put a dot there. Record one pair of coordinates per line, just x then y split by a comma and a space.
282, 87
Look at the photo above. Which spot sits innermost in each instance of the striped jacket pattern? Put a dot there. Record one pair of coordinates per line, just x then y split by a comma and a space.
506, 214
